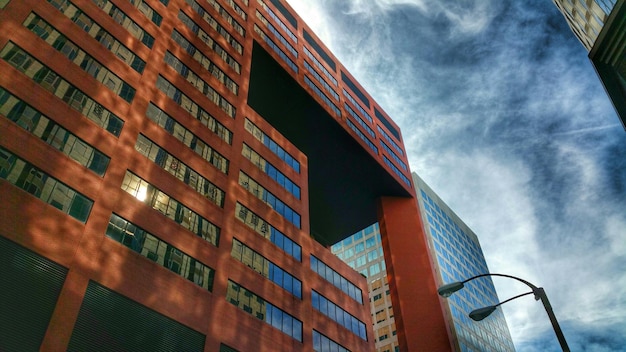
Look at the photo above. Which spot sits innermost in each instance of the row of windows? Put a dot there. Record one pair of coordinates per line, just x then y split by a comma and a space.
390, 140
356, 90
269, 270
79, 57
41, 185
238, 9
276, 49
226, 16
205, 62
180, 170
268, 198
313, 43
53, 134
181, 133
387, 124
148, 11
336, 279
358, 106
170, 207
98, 33
323, 96
61, 88
394, 156
321, 67
199, 84
192, 108
454, 234
160, 252
278, 21
362, 136
322, 343
277, 34
213, 23
337, 314
121, 18
454, 244
272, 145
319, 78
271, 171
360, 121
262, 309
397, 171
268, 231
209, 41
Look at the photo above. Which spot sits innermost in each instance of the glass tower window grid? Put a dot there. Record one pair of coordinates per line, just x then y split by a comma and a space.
148, 11
270, 170
180, 170
225, 15
278, 21
320, 66
57, 85
277, 34
52, 133
272, 145
160, 252
362, 136
323, 96
462, 260
336, 279
164, 120
79, 57
170, 208
338, 315
258, 307
212, 22
27, 177
125, 21
266, 230
199, 84
321, 80
357, 106
205, 62
98, 33
210, 42
266, 268
269, 198
292, 65
360, 121
185, 136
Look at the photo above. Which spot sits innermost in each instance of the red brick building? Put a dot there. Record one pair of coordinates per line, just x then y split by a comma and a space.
172, 174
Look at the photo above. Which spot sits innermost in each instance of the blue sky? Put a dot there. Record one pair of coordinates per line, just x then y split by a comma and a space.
504, 117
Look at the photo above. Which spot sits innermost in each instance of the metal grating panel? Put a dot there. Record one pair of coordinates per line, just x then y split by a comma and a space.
108, 321
30, 286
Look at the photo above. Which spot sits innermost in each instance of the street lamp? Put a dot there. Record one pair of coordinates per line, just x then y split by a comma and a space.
481, 313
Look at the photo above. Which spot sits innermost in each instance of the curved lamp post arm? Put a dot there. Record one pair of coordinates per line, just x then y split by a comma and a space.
540, 294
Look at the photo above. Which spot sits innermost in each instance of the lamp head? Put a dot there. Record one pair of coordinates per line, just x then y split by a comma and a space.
482, 313
448, 289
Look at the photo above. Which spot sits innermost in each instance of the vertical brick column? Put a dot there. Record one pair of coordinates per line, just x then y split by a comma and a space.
417, 309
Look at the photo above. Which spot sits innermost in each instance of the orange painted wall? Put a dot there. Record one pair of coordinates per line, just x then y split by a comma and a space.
417, 308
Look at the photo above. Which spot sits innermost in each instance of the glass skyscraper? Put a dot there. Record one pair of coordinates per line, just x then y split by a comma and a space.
363, 252
600, 26
458, 256
586, 18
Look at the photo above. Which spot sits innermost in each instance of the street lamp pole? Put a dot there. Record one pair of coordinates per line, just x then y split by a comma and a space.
479, 314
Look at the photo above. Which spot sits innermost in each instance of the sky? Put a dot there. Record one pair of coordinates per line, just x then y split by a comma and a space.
503, 115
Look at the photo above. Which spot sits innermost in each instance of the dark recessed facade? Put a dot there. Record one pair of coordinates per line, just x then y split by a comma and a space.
173, 173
